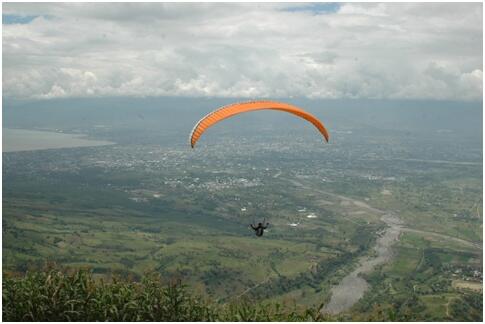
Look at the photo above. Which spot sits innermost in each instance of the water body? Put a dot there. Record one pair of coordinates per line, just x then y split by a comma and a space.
16, 140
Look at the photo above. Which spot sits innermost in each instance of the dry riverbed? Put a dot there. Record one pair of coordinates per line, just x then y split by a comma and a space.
352, 287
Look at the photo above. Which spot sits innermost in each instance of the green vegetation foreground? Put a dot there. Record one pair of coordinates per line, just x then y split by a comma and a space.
77, 296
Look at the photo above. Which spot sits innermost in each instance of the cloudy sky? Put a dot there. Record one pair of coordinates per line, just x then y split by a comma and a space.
335, 50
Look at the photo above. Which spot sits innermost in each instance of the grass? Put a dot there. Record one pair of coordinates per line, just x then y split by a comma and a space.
53, 295
199, 235
56, 294
417, 284
438, 205
406, 262
180, 241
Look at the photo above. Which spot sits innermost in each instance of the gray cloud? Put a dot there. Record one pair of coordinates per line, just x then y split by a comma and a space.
386, 50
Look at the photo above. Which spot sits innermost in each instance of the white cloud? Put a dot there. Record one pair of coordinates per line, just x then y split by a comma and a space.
386, 50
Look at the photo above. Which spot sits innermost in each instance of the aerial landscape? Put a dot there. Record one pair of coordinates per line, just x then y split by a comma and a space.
382, 223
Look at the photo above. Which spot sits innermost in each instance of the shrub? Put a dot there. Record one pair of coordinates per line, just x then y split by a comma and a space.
55, 295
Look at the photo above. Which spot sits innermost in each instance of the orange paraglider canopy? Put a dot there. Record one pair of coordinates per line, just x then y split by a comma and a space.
238, 108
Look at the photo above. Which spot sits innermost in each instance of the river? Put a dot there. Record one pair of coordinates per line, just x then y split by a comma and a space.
352, 287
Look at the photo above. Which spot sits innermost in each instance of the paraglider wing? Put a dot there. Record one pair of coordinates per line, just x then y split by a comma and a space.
238, 108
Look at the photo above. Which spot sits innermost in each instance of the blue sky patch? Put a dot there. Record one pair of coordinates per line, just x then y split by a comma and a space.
16, 19
316, 7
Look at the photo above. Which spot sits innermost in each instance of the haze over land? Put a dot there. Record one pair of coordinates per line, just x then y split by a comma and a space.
151, 203
382, 223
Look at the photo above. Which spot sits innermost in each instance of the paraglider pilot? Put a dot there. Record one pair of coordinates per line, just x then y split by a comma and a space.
259, 229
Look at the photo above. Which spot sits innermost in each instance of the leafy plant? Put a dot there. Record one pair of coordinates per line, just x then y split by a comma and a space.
55, 295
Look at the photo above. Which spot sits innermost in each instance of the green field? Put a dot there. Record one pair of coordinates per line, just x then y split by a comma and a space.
149, 205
